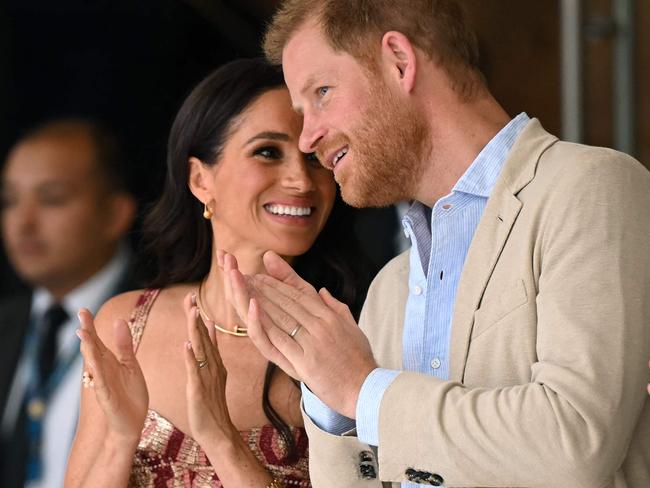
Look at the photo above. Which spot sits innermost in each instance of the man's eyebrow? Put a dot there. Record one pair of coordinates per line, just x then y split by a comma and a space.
307, 86
274, 136
52, 185
311, 81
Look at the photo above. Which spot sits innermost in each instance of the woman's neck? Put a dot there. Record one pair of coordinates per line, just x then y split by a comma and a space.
213, 292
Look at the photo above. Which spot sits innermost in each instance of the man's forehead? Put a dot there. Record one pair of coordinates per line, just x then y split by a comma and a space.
306, 68
57, 144
302, 44
51, 158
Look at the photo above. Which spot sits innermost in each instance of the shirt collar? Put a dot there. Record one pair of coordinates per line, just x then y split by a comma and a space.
482, 174
479, 179
91, 294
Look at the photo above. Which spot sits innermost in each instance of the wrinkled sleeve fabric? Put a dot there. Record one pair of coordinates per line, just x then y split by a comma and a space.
324, 417
370, 396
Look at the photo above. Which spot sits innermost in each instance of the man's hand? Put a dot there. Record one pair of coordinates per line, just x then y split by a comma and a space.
310, 335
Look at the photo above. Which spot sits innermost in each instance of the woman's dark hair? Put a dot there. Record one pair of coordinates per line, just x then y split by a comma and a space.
179, 239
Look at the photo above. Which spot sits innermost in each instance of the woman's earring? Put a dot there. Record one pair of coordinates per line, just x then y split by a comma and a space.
207, 213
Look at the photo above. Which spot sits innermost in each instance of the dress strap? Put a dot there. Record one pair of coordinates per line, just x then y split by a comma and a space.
139, 315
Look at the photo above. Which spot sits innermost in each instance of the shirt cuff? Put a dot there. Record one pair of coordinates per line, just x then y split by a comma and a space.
372, 391
323, 416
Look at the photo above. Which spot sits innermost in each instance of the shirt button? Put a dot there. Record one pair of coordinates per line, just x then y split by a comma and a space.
435, 363
417, 290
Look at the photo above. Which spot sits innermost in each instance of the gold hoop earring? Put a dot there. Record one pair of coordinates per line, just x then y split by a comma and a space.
207, 212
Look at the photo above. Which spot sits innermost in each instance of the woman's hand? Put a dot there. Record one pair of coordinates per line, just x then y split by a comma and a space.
206, 381
210, 422
117, 379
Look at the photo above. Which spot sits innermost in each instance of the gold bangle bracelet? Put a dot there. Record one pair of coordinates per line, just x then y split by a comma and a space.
275, 484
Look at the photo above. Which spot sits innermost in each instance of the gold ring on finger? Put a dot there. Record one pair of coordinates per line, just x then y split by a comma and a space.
87, 380
202, 363
295, 331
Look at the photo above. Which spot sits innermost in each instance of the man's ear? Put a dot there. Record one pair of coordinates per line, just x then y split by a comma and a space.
121, 210
199, 180
398, 56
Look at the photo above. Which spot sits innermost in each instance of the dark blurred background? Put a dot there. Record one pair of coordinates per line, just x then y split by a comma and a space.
130, 63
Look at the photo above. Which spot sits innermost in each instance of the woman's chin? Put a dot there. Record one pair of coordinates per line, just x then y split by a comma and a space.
291, 251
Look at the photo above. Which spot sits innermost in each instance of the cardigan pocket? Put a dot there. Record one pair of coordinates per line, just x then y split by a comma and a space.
491, 312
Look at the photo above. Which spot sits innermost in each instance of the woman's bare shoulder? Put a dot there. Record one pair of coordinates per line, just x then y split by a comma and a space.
120, 306
177, 292
116, 308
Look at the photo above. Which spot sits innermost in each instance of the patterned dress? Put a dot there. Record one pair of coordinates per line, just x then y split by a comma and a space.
168, 458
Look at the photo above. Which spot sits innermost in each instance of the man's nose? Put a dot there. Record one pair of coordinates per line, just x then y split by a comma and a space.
24, 216
312, 132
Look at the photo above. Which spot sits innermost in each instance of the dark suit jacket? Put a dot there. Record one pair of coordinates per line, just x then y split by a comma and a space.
14, 316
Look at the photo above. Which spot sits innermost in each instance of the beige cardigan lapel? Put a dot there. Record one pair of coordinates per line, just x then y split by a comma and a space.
492, 232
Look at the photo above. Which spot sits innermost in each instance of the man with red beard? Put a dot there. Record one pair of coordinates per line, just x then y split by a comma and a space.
508, 347
65, 214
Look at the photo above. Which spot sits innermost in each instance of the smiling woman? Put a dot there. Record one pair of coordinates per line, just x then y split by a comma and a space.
236, 182
263, 182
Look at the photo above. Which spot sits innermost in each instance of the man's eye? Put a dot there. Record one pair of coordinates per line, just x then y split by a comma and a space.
322, 91
268, 152
53, 200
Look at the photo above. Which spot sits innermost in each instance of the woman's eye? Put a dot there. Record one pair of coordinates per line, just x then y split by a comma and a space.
268, 152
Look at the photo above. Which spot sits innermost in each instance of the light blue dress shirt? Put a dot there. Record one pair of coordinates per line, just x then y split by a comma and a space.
440, 239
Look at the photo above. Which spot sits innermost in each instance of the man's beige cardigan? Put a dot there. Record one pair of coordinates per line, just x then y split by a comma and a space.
550, 338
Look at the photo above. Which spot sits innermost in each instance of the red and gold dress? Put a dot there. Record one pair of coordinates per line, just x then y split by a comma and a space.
166, 457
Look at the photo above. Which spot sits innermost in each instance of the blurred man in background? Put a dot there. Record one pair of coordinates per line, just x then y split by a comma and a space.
65, 214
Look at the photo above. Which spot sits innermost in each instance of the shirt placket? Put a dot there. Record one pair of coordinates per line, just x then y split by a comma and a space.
435, 359
414, 318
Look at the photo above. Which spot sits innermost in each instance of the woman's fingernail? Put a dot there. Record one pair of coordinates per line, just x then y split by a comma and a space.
188, 345
193, 298
78, 333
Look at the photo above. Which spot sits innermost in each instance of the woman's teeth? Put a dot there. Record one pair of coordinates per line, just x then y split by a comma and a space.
288, 210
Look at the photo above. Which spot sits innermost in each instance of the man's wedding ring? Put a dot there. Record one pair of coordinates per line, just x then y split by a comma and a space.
202, 363
295, 331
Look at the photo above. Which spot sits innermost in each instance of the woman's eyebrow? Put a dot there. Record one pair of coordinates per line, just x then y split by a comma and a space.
274, 136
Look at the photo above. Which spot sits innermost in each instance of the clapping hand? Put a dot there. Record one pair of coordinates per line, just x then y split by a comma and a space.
309, 334
206, 380
116, 377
